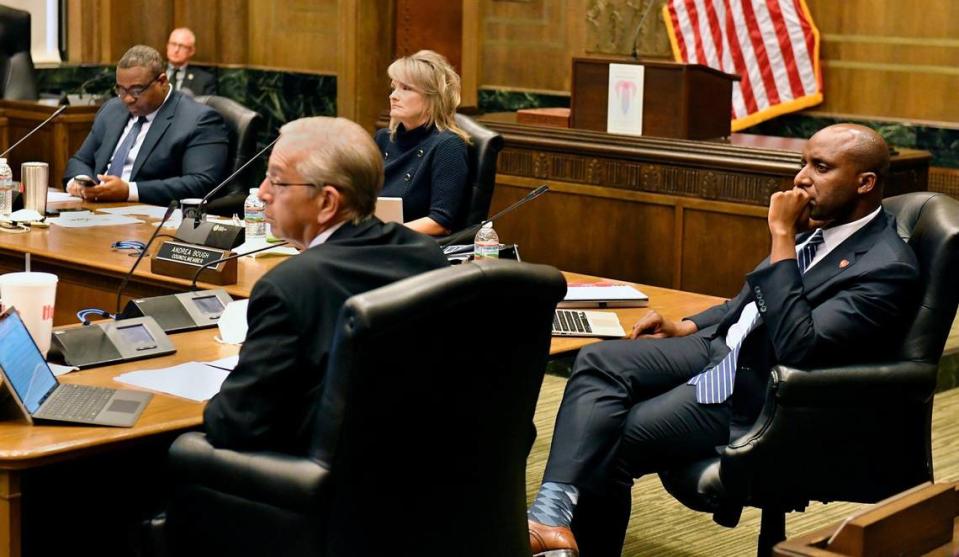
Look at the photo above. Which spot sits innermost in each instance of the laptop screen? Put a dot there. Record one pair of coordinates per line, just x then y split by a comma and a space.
22, 363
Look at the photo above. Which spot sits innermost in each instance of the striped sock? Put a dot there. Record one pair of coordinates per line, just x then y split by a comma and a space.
554, 504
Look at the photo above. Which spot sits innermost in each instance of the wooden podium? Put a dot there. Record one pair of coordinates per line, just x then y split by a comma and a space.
682, 101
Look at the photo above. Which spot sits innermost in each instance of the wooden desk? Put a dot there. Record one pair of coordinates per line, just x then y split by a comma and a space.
689, 215
24, 448
90, 271
54, 144
672, 304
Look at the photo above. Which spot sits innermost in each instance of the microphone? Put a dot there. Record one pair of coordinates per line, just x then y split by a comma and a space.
56, 113
639, 28
215, 262
470, 231
199, 211
126, 279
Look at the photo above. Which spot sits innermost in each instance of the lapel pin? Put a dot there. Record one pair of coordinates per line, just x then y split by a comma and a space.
844, 263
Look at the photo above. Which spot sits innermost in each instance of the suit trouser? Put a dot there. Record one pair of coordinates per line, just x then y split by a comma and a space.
627, 411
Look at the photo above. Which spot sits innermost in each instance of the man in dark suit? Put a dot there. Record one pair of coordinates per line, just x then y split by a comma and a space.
180, 48
150, 143
323, 178
835, 293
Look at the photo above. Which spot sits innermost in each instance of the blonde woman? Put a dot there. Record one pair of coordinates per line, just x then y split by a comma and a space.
424, 150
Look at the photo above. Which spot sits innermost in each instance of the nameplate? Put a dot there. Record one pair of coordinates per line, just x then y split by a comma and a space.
177, 259
187, 254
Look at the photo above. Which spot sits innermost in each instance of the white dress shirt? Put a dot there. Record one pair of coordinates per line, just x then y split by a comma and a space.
325, 235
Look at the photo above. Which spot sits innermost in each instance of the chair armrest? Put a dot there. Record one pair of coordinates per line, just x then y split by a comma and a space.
291, 482
858, 385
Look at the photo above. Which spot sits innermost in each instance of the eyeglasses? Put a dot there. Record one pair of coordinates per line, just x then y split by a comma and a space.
275, 183
136, 90
180, 45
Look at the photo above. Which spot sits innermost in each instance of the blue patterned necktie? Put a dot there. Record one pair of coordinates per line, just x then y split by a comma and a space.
123, 152
715, 385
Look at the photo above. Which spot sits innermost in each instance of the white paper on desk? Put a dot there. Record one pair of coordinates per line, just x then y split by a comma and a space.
260, 243
232, 322
54, 196
85, 219
191, 380
617, 295
227, 363
152, 211
59, 370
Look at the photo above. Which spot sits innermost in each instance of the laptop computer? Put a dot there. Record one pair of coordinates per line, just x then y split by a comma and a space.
389, 209
40, 397
579, 323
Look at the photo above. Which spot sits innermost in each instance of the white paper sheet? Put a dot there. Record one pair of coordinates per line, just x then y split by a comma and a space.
625, 104
152, 211
232, 322
251, 245
85, 219
59, 370
227, 363
609, 293
191, 380
54, 196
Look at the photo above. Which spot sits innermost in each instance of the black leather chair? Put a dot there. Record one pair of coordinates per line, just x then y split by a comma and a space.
425, 427
244, 126
17, 78
482, 164
854, 433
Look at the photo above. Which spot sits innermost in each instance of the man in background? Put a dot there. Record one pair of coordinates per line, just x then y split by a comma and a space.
149, 144
320, 191
180, 48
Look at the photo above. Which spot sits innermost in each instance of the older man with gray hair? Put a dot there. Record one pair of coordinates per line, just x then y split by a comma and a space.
320, 191
149, 144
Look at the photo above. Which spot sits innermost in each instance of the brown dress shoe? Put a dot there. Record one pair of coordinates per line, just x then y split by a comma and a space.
551, 541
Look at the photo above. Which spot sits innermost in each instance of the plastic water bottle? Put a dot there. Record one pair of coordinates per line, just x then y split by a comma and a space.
6, 189
253, 216
486, 243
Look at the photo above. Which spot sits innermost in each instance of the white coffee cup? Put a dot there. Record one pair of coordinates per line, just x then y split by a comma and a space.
33, 294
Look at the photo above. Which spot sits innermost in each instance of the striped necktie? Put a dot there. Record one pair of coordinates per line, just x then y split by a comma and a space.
715, 385
123, 151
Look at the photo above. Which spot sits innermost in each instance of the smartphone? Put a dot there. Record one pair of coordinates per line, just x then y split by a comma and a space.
84, 181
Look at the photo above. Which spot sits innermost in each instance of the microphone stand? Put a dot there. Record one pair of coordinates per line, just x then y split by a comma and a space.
215, 262
126, 279
199, 211
470, 231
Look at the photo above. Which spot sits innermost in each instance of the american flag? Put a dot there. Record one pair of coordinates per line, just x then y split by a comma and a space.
772, 45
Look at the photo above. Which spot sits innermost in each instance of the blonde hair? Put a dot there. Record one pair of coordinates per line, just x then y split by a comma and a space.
340, 153
433, 77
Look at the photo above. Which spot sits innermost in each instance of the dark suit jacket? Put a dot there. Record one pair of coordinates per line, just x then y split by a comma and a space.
199, 82
850, 307
183, 154
267, 401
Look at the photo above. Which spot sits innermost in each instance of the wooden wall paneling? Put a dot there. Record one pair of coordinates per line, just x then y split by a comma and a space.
719, 248
83, 31
365, 51
430, 24
527, 45
134, 22
233, 32
299, 35
472, 59
889, 59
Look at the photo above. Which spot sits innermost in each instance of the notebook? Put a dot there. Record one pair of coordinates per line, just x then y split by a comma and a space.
579, 323
38, 394
604, 296
389, 209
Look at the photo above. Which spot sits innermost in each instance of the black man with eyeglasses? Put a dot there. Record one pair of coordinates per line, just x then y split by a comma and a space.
149, 144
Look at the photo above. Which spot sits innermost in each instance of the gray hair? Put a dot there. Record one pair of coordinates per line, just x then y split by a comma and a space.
337, 152
142, 56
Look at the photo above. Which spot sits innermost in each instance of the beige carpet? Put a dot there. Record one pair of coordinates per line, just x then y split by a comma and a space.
660, 526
